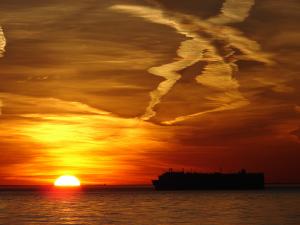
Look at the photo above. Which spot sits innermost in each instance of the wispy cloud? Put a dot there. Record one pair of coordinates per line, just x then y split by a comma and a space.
190, 52
233, 11
230, 100
60, 137
2, 42
2, 50
220, 68
24, 105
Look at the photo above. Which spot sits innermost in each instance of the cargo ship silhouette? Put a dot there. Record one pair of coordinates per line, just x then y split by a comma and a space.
209, 181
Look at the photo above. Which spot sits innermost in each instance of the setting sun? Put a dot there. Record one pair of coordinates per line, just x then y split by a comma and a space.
67, 181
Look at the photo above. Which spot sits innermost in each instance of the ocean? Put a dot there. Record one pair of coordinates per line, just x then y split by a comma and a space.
273, 206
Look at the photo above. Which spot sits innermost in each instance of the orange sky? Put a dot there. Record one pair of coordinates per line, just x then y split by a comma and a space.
116, 92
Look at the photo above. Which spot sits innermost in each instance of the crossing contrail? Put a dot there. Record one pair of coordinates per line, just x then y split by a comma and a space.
219, 69
190, 52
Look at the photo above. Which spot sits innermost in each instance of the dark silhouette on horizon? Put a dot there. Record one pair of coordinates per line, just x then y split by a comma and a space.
173, 180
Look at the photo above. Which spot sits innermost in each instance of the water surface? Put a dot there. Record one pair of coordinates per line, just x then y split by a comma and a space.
146, 206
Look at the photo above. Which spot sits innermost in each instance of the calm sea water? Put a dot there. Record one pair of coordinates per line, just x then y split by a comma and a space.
268, 207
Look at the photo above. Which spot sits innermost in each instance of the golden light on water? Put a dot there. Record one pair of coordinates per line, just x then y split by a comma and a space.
67, 181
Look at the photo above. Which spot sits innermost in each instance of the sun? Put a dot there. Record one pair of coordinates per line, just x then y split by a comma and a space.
67, 181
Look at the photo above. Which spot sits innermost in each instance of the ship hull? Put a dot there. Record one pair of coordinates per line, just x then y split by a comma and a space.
164, 187
184, 181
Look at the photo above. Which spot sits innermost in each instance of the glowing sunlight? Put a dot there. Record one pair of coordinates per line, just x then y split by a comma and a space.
67, 181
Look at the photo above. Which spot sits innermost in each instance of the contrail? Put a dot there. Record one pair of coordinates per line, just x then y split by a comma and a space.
219, 75
219, 70
190, 52
234, 39
231, 100
2, 42
233, 11
169, 72
2, 50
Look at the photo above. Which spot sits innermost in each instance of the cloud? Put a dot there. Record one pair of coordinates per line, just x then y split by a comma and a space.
69, 106
2, 50
190, 52
229, 100
220, 68
217, 74
49, 137
277, 85
233, 11
22, 105
2, 42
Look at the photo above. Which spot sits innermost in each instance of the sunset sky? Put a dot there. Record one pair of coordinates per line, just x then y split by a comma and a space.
118, 91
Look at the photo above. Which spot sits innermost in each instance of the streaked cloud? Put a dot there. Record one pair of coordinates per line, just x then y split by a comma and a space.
70, 137
233, 11
229, 101
76, 78
219, 71
2, 50
190, 52
23, 105
277, 85
2, 42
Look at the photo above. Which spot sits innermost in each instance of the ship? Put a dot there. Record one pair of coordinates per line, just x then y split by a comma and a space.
241, 180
